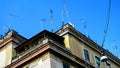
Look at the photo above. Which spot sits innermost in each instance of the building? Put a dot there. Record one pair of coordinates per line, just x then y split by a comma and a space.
66, 48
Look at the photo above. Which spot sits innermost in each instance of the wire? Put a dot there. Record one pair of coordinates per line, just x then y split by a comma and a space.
107, 23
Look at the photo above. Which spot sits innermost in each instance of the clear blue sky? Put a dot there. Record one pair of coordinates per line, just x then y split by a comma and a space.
25, 16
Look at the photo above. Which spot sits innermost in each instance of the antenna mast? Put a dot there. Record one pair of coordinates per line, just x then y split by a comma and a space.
85, 27
9, 22
51, 20
42, 21
65, 12
11, 15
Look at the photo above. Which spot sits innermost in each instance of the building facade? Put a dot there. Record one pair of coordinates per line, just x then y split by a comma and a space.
66, 48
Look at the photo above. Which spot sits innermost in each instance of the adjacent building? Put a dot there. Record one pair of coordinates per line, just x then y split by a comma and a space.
66, 48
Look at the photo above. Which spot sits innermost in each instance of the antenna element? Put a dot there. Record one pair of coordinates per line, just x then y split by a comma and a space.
51, 20
42, 21
85, 27
65, 12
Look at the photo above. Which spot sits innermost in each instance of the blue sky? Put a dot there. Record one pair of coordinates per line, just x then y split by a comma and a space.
25, 16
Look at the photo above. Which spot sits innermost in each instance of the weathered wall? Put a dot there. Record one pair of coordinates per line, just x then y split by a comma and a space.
6, 56
47, 60
74, 45
77, 48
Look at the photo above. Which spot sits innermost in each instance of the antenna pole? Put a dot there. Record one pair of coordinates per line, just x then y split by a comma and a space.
65, 11
68, 17
9, 23
42, 21
107, 23
11, 15
85, 27
51, 20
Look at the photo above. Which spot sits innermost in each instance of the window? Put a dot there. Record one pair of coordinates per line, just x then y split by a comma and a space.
86, 55
66, 65
97, 61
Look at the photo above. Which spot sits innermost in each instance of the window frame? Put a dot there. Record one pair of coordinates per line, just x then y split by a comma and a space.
96, 64
65, 65
87, 53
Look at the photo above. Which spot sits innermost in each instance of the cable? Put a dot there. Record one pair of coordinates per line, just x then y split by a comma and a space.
107, 23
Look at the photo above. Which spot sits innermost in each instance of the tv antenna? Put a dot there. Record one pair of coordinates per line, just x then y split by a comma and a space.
104, 58
11, 15
115, 47
1, 36
51, 20
42, 21
5, 28
9, 22
85, 27
65, 12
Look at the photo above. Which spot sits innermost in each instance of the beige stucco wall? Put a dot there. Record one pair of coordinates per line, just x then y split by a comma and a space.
74, 45
2, 58
77, 47
43, 61
6, 56
46, 60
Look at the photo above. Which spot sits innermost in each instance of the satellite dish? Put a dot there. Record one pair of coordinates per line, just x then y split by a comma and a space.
104, 58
